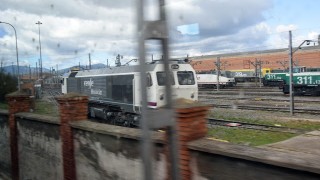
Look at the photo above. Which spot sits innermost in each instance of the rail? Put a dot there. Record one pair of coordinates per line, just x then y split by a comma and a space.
238, 124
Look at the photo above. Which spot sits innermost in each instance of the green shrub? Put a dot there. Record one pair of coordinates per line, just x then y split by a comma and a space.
8, 84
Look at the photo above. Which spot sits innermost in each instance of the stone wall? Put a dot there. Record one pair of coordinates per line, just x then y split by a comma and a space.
5, 160
218, 160
108, 152
39, 145
71, 147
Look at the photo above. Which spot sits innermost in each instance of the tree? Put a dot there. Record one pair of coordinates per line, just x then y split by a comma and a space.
8, 84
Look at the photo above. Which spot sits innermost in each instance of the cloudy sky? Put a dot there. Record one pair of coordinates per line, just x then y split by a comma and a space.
71, 29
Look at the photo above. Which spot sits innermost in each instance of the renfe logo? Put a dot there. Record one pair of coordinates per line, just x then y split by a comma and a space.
88, 83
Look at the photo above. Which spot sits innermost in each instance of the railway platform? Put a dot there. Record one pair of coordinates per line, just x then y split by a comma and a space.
306, 145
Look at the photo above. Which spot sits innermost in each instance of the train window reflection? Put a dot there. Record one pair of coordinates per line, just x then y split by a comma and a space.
161, 77
149, 80
185, 78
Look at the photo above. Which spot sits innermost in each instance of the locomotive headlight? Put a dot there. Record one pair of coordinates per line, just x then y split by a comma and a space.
192, 95
161, 97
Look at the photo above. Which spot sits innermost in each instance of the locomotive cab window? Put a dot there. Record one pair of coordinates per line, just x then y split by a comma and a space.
185, 78
149, 80
161, 78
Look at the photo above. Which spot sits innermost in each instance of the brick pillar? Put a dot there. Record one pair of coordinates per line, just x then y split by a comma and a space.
72, 107
191, 125
17, 103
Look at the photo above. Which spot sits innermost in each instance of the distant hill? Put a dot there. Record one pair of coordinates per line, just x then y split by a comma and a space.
25, 69
93, 66
22, 69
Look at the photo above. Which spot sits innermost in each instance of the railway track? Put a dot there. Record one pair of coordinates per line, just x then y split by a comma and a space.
255, 98
237, 124
245, 93
241, 89
52, 93
268, 108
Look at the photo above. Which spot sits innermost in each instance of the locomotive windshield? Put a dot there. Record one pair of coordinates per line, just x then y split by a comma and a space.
185, 78
161, 77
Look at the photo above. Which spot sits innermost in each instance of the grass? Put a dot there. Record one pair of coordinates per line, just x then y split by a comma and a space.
247, 136
41, 107
46, 108
257, 137
296, 124
3, 105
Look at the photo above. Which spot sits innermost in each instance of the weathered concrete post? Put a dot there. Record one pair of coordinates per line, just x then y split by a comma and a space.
191, 125
17, 103
72, 107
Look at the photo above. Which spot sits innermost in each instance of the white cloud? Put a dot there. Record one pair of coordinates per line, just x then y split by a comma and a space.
285, 28
71, 29
313, 35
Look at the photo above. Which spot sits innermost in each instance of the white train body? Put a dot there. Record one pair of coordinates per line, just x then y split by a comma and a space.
116, 91
211, 81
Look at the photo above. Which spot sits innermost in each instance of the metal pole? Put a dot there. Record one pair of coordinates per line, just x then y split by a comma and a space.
40, 61
13, 70
37, 70
291, 76
256, 71
173, 140
89, 61
29, 72
260, 68
218, 73
15, 33
147, 143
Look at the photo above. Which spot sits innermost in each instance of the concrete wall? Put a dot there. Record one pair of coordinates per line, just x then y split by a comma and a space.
5, 160
104, 151
108, 152
39, 145
216, 160
101, 151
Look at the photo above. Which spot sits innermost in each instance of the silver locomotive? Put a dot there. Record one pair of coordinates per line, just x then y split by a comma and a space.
114, 93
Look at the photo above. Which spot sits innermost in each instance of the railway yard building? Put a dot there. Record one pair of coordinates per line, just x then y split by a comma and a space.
308, 56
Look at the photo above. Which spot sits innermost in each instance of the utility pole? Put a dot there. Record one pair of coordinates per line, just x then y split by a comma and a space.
283, 64
40, 60
291, 75
107, 62
257, 66
118, 62
37, 75
39, 68
260, 71
1, 65
218, 65
29, 72
156, 30
89, 61
13, 71
296, 62
15, 33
